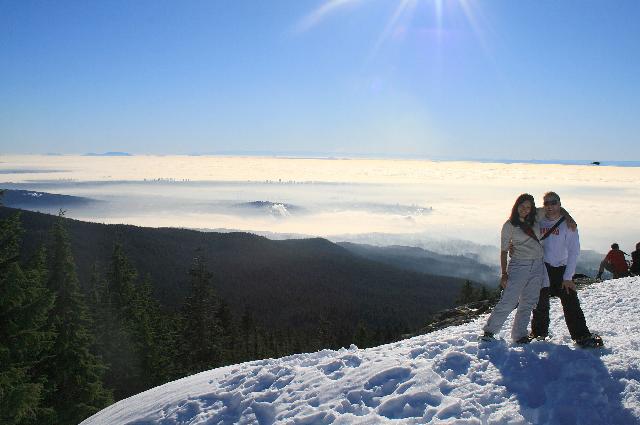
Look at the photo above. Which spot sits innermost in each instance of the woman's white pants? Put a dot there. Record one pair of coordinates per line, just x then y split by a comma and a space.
523, 289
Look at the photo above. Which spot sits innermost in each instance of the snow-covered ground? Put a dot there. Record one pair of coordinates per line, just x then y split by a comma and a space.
443, 377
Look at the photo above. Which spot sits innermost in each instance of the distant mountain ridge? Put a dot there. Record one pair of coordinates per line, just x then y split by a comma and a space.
35, 200
460, 266
424, 261
108, 154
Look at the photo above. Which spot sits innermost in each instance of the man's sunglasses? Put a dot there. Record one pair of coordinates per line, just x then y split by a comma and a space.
553, 202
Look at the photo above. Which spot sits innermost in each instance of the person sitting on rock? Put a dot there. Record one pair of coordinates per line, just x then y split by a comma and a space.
615, 263
635, 257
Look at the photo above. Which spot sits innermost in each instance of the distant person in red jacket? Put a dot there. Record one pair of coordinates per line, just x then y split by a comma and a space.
615, 263
635, 256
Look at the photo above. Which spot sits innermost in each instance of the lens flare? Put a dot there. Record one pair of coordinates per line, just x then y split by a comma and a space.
402, 18
319, 14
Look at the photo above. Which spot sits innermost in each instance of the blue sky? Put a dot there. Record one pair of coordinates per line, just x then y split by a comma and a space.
430, 78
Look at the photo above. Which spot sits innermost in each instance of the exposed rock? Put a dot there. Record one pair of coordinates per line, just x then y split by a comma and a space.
468, 312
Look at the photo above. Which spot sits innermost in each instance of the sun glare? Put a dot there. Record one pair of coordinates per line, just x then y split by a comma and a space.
404, 18
405, 8
320, 13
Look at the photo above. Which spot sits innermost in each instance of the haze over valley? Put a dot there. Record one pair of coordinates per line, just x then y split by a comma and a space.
380, 202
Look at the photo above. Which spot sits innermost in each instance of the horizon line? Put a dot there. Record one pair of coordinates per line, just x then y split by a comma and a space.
345, 155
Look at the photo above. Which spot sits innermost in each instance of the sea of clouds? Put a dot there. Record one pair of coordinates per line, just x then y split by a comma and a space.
412, 202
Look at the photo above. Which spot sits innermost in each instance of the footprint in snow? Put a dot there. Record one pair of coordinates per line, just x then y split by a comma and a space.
452, 365
377, 387
232, 383
417, 352
319, 418
408, 405
351, 360
387, 381
265, 413
334, 369
223, 405
429, 350
267, 397
275, 378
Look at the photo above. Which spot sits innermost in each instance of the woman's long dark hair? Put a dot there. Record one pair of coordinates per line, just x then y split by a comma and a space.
529, 219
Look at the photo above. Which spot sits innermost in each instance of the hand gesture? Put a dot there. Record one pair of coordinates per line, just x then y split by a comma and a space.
568, 285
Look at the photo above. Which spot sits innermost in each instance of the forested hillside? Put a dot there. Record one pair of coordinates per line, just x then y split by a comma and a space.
282, 283
158, 304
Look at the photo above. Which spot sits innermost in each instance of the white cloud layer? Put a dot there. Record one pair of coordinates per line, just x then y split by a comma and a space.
459, 200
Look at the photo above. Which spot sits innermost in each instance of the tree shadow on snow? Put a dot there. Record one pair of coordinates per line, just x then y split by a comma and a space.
556, 384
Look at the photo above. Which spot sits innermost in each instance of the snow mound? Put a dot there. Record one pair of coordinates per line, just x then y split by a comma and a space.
446, 377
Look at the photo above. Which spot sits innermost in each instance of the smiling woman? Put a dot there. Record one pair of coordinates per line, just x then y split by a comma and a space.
523, 278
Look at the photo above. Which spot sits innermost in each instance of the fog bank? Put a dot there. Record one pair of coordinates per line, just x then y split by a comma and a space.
327, 197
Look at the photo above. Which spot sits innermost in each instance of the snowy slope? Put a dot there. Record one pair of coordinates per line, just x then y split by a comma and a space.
443, 377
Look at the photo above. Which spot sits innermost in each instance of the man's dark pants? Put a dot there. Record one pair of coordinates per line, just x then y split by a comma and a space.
573, 314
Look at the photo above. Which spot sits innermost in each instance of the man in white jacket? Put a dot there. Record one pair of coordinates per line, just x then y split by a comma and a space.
561, 250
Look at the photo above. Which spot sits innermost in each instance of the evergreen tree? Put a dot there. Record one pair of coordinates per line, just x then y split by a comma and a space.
101, 317
201, 336
484, 293
324, 334
10, 234
135, 337
466, 293
74, 374
121, 283
165, 341
117, 346
152, 337
24, 336
247, 329
362, 337
230, 338
96, 289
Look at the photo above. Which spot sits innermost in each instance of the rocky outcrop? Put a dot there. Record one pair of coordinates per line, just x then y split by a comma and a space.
468, 312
